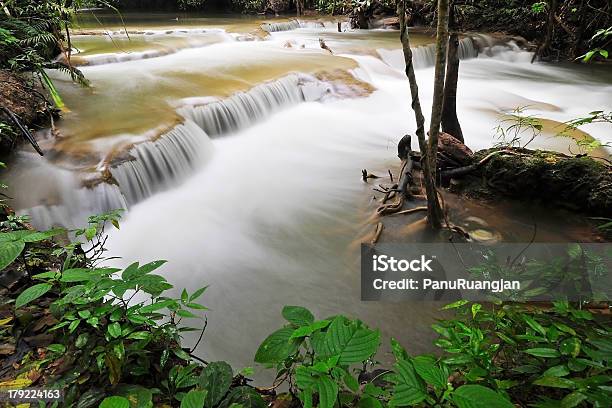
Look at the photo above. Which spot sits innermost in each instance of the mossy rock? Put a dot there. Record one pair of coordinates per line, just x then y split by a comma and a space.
578, 183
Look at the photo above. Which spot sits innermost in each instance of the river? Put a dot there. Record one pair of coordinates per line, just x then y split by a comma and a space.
239, 155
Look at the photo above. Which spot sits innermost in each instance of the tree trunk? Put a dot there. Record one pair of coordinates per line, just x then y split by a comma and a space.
433, 206
299, 7
438, 96
450, 121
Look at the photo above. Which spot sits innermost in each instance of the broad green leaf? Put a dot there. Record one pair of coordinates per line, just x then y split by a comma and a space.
367, 401
573, 399
115, 402
543, 352
352, 343
555, 382
426, 368
9, 251
114, 329
130, 272
32, 293
298, 315
351, 382
570, 347
409, 388
328, 392
40, 236
216, 378
477, 396
276, 347
194, 399
77, 275
557, 371
308, 330
245, 396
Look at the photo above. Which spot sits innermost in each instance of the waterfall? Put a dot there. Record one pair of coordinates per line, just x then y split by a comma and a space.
158, 165
77, 205
281, 26
425, 56
245, 108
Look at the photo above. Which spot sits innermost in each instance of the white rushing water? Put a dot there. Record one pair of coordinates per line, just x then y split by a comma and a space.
268, 215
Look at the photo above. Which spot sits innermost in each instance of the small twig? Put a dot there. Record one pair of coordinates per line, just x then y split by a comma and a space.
201, 334
390, 175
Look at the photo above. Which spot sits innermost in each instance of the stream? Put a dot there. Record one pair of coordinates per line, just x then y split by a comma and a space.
238, 155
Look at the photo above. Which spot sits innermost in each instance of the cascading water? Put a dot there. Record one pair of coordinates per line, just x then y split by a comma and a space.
158, 165
425, 56
281, 26
246, 108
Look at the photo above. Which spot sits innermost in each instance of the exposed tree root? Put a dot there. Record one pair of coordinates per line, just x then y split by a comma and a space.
377, 232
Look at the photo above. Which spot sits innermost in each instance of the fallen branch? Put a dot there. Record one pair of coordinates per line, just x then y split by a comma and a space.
24, 132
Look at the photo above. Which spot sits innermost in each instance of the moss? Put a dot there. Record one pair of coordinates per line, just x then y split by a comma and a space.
577, 183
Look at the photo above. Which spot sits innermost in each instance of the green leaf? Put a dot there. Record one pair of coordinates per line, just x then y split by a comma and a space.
409, 388
40, 236
534, 325
367, 401
557, 371
456, 304
57, 348
115, 402
573, 399
477, 396
76, 275
570, 347
157, 306
276, 347
194, 399
428, 371
90, 233
245, 396
114, 329
352, 343
32, 293
184, 296
216, 378
196, 306
9, 251
543, 352
308, 330
328, 391
555, 382
351, 382
197, 293
298, 315
187, 314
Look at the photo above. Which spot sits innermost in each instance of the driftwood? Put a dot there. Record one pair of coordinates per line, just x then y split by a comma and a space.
24, 131
406, 180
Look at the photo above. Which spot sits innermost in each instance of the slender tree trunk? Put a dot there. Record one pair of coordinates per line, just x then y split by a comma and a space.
450, 121
433, 206
299, 7
438, 96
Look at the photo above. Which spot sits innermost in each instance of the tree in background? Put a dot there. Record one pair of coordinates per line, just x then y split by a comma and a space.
450, 121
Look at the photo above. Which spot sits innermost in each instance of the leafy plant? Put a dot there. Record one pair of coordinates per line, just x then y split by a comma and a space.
514, 127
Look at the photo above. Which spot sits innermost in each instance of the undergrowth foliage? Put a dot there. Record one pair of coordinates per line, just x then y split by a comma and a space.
492, 356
